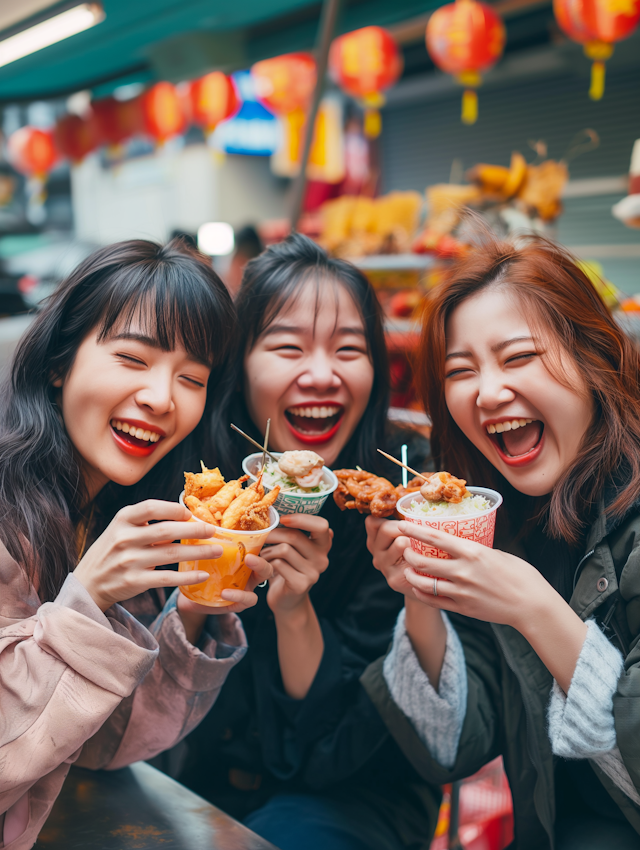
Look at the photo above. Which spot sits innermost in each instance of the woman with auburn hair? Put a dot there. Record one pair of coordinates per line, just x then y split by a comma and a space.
533, 390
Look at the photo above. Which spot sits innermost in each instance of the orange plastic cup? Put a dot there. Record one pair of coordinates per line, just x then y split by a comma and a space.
229, 570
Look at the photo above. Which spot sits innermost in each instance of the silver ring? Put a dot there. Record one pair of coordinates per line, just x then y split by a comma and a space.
264, 583
435, 587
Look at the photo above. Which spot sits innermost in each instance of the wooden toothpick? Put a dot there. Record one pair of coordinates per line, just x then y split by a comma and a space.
253, 442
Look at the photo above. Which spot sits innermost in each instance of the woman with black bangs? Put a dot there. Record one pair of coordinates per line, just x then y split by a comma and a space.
314, 361
107, 390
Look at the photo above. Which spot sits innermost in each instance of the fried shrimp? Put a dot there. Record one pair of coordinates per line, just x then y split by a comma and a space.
203, 484
368, 493
443, 487
233, 507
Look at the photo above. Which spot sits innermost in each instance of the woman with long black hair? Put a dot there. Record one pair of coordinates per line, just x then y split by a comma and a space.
103, 411
313, 360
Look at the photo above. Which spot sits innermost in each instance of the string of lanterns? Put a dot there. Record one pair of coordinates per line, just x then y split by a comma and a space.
464, 38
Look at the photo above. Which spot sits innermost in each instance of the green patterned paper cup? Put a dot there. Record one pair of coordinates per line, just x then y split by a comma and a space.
292, 503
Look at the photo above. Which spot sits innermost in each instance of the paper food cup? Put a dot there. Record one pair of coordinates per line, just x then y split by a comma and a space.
479, 527
229, 570
292, 503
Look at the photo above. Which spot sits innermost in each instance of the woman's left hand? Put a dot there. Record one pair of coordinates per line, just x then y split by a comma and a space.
298, 559
193, 615
479, 582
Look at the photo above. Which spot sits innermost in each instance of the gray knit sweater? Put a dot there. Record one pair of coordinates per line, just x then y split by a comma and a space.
581, 723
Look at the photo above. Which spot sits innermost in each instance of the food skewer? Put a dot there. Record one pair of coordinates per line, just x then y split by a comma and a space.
404, 466
266, 443
254, 442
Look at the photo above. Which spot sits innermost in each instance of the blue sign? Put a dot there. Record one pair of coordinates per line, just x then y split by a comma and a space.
254, 131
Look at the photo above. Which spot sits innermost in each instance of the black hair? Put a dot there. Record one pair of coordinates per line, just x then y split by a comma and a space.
42, 496
272, 282
248, 242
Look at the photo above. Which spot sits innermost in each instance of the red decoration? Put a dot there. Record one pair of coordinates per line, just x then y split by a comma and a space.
364, 63
286, 83
466, 38
32, 152
212, 99
597, 24
162, 112
116, 121
75, 137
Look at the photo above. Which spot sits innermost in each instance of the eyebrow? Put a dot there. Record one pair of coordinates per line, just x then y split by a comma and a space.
499, 346
292, 329
152, 342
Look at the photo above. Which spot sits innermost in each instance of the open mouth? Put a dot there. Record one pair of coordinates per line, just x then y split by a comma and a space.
314, 423
518, 441
135, 438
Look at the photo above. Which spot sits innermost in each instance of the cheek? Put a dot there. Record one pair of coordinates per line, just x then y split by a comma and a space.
459, 404
360, 383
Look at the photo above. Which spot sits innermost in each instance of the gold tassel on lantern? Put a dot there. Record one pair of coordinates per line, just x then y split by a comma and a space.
599, 52
470, 80
372, 118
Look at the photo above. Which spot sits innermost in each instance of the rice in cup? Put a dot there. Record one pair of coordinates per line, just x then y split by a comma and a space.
473, 521
293, 499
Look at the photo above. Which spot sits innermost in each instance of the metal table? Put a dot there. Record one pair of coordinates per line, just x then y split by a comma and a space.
138, 808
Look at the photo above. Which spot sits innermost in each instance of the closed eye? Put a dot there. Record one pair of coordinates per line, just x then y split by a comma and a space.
520, 357
454, 373
128, 358
193, 381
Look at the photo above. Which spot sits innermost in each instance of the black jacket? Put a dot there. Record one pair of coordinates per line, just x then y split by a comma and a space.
256, 741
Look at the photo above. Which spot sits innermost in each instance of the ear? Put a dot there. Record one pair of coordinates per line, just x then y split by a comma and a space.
56, 382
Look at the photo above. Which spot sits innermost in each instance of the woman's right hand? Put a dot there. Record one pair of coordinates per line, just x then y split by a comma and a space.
121, 563
387, 545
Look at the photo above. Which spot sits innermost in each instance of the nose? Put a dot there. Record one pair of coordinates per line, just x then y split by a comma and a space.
156, 395
319, 374
493, 390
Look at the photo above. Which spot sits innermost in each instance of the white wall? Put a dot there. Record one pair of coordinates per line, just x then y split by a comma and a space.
172, 189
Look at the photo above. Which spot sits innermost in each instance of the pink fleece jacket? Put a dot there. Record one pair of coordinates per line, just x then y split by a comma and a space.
100, 690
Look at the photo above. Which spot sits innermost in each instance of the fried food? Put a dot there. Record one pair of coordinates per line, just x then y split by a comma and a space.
368, 493
443, 487
232, 507
305, 467
219, 503
203, 484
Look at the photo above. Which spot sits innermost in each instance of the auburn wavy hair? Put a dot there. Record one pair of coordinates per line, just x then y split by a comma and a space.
565, 311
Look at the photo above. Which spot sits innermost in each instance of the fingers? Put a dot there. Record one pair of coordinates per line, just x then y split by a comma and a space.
162, 532
316, 525
386, 533
173, 553
261, 568
440, 567
171, 578
426, 584
298, 541
295, 579
458, 547
310, 567
242, 600
154, 509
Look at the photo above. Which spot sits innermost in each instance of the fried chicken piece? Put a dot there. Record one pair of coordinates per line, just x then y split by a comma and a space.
256, 517
364, 492
198, 509
203, 484
219, 503
252, 494
442, 486
412, 486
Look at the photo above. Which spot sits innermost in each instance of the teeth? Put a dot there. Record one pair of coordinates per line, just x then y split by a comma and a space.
315, 412
139, 433
510, 425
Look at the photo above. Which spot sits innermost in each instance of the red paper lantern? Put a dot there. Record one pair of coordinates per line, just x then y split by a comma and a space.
597, 24
115, 121
75, 137
286, 83
32, 152
364, 63
212, 99
466, 38
162, 112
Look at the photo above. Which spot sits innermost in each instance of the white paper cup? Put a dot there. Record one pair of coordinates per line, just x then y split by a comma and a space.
479, 527
292, 503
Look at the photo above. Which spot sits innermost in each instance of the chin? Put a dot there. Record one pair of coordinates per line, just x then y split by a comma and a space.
532, 486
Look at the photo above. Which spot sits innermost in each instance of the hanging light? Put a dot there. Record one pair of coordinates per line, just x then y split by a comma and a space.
465, 39
212, 99
75, 137
365, 63
597, 24
285, 84
32, 152
115, 121
162, 112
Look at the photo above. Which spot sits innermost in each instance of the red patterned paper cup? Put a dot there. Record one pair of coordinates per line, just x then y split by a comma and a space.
479, 527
